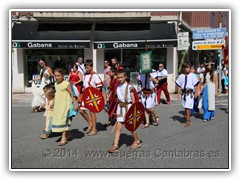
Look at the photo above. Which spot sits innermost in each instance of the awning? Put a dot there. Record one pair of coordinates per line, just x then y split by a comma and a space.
155, 35
64, 36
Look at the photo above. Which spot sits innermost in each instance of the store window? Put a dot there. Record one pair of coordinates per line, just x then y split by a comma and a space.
109, 54
67, 57
131, 61
131, 58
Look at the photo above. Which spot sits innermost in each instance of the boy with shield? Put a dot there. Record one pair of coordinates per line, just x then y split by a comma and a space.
126, 97
91, 79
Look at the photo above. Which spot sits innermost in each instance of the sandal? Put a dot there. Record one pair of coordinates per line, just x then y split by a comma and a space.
186, 124
145, 126
113, 149
89, 129
92, 133
136, 145
62, 143
44, 136
157, 119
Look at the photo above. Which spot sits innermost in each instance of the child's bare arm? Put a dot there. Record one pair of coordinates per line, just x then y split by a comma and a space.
132, 95
73, 98
42, 106
179, 92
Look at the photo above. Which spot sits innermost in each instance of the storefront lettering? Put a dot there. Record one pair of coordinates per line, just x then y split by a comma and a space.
16, 45
125, 45
101, 46
39, 45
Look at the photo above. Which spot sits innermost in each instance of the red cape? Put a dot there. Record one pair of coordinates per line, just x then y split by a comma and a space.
113, 100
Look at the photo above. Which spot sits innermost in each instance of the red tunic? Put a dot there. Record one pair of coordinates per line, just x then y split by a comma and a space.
113, 100
74, 77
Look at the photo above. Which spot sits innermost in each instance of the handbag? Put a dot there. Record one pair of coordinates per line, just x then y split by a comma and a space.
52, 81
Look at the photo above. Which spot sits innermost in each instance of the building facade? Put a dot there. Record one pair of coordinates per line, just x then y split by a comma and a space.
65, 36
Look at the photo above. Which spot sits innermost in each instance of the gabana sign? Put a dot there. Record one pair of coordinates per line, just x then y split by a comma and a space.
126, 45
49, 44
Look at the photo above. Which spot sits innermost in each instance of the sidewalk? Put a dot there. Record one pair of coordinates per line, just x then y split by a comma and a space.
26, 98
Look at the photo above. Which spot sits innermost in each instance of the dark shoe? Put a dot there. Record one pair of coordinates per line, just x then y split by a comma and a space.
107, 124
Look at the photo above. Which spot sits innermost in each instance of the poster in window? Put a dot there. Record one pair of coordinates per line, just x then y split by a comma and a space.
146, 62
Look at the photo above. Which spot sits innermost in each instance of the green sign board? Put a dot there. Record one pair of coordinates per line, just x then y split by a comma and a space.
146, 62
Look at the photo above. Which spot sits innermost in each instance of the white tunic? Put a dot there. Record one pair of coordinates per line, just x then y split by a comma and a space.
186, 83
121, 97
94, 82
160, 74
148, 101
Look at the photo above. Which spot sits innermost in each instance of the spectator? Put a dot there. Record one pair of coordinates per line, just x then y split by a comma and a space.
115, 63
80, 64
201, 71
162, 75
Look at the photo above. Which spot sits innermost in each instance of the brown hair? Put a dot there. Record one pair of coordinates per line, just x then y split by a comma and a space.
211, 72
60, 70
50, 92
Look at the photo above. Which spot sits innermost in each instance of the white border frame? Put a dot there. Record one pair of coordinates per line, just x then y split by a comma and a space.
120, 10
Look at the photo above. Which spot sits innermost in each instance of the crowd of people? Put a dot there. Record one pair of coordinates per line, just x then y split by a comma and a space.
62, 99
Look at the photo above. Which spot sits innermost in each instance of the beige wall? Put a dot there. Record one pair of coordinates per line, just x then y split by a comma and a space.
17, 71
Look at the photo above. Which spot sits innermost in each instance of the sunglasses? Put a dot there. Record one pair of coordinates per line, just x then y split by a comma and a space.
160, 66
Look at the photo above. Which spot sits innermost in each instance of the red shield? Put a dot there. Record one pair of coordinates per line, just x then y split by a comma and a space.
134, 116
93, 99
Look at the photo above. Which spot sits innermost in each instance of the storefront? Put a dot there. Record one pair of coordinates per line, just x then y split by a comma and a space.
58, 45
126, 42
58, 42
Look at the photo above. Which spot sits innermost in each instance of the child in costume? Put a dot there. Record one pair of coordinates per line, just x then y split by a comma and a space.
195, 103
210, 90
50, 93
126, 96
186, 83
91, 79
148, 98
63, 100
113, 101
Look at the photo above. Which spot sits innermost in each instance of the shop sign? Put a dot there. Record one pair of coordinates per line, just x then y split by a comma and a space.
50, 44
131, 45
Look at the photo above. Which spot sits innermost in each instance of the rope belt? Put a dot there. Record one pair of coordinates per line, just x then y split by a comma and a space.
124, 104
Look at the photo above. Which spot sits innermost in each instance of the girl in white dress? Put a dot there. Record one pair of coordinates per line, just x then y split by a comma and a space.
210, 90
38, 93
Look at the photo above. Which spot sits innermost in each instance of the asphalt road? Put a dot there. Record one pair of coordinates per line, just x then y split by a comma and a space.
169, 145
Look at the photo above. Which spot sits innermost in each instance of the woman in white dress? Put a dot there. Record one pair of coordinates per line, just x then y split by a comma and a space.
38, 93
210, 90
